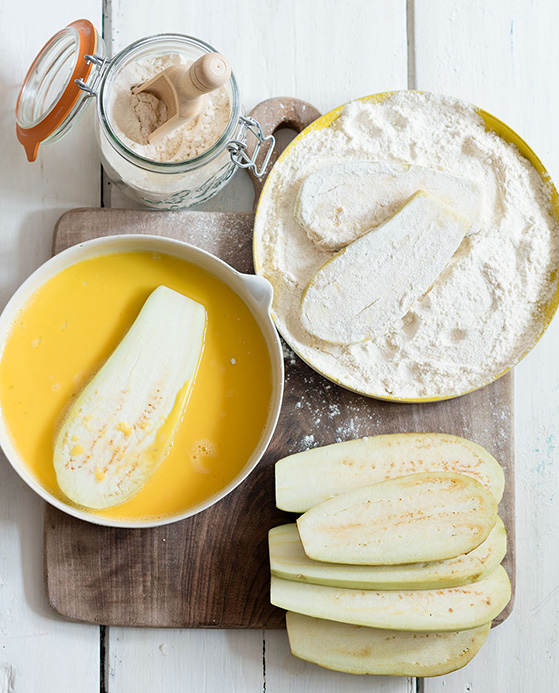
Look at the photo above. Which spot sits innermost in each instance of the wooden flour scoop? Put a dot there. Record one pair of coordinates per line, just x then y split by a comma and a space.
182, 89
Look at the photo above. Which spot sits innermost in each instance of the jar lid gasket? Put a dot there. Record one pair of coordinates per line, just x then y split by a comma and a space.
49, 94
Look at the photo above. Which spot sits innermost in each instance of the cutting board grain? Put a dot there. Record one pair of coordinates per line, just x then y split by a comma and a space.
211, 571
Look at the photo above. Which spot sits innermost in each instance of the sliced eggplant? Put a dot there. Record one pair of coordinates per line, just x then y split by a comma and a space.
119, 429
440, 610
362, 650
337, 205
365, 288
312, 476
289, 561
420, 517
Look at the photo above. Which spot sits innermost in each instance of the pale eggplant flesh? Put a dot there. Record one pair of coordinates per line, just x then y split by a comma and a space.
438, 610
312, 476
428, 516
289, 561
362, 650
119, 429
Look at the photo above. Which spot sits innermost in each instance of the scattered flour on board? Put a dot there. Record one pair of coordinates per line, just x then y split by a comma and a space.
483, 312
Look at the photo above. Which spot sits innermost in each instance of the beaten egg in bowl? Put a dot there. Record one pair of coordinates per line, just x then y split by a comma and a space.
62, 334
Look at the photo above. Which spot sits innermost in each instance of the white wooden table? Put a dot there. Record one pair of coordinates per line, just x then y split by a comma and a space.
502, 55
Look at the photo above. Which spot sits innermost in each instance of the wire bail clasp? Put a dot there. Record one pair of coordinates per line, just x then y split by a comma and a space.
238, 147
100, 63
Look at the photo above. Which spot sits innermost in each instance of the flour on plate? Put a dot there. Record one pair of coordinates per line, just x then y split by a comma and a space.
485, 310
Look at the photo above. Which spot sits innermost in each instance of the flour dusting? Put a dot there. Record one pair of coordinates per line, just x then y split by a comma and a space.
486, 308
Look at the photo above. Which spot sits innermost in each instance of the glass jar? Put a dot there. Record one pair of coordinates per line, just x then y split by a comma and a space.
72, 68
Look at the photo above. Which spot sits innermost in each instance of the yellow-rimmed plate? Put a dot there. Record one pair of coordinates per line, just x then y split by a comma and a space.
492, 124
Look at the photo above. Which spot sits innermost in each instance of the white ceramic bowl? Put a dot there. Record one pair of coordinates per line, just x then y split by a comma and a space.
256, 293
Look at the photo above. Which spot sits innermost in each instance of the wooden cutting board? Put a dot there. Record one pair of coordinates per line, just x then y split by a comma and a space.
211, 570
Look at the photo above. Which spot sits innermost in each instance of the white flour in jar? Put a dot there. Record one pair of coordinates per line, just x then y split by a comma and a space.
135, 116
484, 311
171, 179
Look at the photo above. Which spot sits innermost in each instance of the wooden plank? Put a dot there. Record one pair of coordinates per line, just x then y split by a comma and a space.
38, 651
282, 48
275, 48
497, 55
140, 659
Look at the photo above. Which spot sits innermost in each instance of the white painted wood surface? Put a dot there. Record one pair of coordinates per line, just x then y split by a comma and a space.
38, 651
295, 60
500, 55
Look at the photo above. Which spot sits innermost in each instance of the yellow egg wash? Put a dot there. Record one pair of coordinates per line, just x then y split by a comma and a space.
73, 323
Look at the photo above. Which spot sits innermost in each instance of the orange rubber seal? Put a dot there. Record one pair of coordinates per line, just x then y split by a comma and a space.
32, 137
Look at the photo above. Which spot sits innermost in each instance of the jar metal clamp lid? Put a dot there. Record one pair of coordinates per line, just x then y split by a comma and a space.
238, 146
68, 71
51, 98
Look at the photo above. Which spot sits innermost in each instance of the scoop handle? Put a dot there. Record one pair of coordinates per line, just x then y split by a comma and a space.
207, 73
